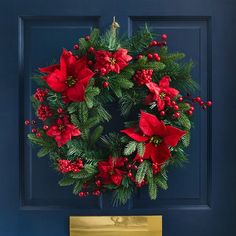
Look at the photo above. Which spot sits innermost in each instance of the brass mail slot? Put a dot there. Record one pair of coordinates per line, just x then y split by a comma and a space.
116, 225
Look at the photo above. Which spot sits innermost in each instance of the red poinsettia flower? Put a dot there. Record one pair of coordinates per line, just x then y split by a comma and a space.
157, 137
110, 170
107, 61
70, 77
161, 93
62, 131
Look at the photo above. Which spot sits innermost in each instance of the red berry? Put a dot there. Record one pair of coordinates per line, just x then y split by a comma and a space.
201, 103
34, 130
139, 56
204, 107
27, 122
103, 71
129, 166
141, 160
209, 103
87, 37
149, 56
105, 84
156, 56
154, 43
38, 134
129, 174
135, 167
126, 159
59, 110
177, 115
173, 103
81, 194
33, 122
180, 99
98, 183
91, 49
164, 37
190, 112
198, 99
90, 62
176, 107
162, 113
76, 47
45, 127
70, 53
191, 108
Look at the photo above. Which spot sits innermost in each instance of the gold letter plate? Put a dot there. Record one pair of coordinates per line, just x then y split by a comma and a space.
116, 226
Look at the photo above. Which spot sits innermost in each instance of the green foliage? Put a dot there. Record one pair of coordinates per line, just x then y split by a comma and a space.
66, 181
130, 148
122, 195
184, 121
96, 134
142, 171
186, 139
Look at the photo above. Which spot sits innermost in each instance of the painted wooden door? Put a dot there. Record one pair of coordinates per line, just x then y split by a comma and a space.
201, 199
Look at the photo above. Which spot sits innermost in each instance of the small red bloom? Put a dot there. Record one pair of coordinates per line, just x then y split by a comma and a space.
110, 171
44, 112
111, 61
65, 166
157, 137
40, 94
142, 77
161, 93
70, 77
62, 131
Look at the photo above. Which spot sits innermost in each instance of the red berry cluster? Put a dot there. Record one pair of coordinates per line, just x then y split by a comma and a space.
153, 56
161, 43
44, 112
203, 104
156, 168
40, 94
66, 166
142, 77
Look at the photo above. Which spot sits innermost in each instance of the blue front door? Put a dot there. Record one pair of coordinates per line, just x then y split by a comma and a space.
201, 199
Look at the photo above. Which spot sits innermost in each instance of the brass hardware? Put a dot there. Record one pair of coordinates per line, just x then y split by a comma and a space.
116, 225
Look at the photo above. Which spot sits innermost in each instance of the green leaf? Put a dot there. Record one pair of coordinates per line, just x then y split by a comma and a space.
34, 139
186, 139
66, 181
140, 149
96, 134
130, 148
142, 170
43, 152
184, 121
73, 107
78, 186
152, 188
75, 120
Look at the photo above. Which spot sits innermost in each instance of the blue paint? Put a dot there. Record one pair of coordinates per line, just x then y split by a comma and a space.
201, 199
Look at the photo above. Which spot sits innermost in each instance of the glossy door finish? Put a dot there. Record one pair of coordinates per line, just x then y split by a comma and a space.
201, 199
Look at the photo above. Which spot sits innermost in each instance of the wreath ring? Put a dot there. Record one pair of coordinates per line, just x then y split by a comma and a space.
71, 101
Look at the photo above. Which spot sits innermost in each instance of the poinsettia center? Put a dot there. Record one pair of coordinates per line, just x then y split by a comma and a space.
61, 127
112, 60
70, 81
156, 140
162, 95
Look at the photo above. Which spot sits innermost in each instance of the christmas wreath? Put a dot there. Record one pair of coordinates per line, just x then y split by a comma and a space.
72, 101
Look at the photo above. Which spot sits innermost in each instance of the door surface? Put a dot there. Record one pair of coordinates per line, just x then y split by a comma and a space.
201, 199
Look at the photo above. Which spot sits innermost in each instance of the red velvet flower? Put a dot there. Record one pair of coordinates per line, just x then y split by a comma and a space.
108, 61
161, 93
157, 137
70, 77
110, 170
62, 131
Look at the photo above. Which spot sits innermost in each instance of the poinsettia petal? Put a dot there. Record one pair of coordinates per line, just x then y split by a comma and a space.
76, 93
103, 166
116, 179
49, 69
67, 62
160, 104
122, 53
173, 135
149, 99
172, 92
164, 82
153, 87
147, 151
150, 125
132, 133
160, 154
56, 81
